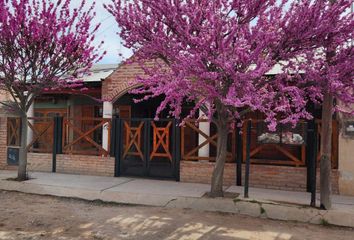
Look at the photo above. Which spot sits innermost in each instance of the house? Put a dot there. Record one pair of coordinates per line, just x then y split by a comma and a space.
136, 145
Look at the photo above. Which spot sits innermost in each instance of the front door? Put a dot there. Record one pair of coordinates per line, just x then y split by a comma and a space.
148, 148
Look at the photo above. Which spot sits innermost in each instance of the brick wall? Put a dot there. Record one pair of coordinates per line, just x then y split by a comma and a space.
39, 162
73, 164
88, 165
200, 172
122, 79
3, 143
262, 176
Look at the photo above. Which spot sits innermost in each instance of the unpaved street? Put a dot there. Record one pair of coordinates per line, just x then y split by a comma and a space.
33, 217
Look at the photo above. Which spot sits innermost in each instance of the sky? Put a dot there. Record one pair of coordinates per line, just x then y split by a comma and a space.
108, 33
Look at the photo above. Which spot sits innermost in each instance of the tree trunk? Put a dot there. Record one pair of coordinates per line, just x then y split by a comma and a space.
218, 173
22, 167
326, 152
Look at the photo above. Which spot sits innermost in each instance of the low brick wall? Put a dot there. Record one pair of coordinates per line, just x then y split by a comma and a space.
3, 146
73, 164
88, 165
262, 176
3, 143
39, 162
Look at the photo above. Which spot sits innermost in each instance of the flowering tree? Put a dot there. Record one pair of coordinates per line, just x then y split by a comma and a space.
216, 54
43, 46
329, 68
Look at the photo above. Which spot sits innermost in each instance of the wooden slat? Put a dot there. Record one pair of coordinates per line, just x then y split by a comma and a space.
191, 155
37, 135
133, 139
84, 138
161, 138
288, 154
13, 131
273, 162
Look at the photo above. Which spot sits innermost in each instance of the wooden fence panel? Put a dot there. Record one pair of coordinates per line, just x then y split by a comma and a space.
84, 136
190, 148
43, 135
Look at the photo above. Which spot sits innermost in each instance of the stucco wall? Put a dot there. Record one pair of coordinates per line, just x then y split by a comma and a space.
5, 96
346, 165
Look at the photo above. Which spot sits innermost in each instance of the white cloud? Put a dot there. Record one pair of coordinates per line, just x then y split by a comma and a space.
107, 33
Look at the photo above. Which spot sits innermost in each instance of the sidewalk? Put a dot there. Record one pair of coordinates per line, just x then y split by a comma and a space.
273, 204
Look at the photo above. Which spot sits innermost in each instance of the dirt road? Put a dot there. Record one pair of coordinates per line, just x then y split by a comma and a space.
34, 217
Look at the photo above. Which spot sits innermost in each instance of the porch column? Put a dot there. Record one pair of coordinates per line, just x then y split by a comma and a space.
30, 114
205, 128
107, 113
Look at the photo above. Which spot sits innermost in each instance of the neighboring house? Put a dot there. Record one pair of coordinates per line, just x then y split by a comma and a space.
85, 102
136, 145
4, 96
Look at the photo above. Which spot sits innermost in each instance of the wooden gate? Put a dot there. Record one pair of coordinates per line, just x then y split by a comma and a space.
148, 148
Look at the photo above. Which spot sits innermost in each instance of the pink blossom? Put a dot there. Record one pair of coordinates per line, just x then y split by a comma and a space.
44, 46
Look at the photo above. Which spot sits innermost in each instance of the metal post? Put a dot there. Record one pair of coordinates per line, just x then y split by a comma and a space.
248, 148
238, 157
60, 122
147, 145
55, 144
310, 141
177, 148
309, 154
314, 168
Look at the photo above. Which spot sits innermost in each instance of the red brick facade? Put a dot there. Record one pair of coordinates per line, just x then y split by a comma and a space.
117, 84
3, 144
122, 80
261, 176
275, 177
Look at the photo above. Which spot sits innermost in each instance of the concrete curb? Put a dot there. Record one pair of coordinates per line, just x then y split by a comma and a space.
254, 208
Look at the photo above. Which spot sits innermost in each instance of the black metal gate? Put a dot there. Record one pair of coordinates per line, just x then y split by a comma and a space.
147, 148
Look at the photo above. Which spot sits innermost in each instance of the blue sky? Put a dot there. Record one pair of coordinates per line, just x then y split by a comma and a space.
107, 33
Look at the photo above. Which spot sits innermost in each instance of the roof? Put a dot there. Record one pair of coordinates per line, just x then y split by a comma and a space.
99, 72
